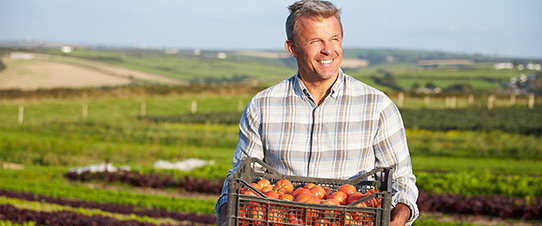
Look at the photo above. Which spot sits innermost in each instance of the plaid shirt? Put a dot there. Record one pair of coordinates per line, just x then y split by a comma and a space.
354, 130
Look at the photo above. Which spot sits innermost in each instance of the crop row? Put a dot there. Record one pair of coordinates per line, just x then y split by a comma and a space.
115, 208
513, 120
61, 218
465, 183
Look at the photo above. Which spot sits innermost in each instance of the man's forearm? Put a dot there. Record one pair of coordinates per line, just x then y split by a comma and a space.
400, 214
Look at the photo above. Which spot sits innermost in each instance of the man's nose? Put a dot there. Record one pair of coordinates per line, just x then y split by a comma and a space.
327, 48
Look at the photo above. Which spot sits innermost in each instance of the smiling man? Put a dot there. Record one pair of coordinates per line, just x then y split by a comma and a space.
323, 123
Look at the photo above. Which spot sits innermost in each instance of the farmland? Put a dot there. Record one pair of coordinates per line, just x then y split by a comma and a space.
493, 158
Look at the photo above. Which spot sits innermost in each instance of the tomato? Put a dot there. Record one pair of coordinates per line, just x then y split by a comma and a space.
266, 188
300, 191
318, 191
328, 192
256, 186
272, 194
263, 182
331, 202
248, 191
348, 189
340, 196
284, 184
287, 197
309, 185
307, 198
355, 197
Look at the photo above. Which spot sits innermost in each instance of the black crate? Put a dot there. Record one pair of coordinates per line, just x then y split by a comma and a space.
261, 210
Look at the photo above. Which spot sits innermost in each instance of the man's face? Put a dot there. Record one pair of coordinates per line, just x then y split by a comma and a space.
317, 48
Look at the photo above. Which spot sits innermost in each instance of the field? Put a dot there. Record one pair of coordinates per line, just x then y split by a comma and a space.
45, 133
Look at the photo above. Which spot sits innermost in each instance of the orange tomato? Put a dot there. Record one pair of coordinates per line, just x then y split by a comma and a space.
307, 198
248, 191
300, 191
267, 188
309, 185
348, 189
272, 194
284, 184
287, 197
340, 196
318, 191
328, 192
263, 182
331, 202
355, 197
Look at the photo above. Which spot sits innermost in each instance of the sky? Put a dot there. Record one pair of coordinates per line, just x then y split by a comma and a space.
503, 28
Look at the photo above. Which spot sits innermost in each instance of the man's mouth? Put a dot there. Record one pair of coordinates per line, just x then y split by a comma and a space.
325, 61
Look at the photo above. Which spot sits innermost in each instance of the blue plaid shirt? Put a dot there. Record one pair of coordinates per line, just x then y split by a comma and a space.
355, 129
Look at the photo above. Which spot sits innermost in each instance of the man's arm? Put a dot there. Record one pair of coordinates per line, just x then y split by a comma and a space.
400, 215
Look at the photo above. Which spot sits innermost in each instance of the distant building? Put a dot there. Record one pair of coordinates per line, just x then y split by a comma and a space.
353, 63
21, 56
66, 49
450, 62
500, 66
221, 55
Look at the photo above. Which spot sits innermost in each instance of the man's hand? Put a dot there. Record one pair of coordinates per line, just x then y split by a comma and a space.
400, 215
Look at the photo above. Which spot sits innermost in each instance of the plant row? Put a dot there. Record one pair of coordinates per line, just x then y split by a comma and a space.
115, 208
465, 183
499, 206
513, 120
61, 218
186, 183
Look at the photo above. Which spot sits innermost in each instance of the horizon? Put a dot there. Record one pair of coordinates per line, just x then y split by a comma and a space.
504, 28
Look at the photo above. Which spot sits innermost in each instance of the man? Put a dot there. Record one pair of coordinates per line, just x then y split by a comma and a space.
322, 122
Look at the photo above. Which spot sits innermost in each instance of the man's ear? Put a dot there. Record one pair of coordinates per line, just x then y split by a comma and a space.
291, 48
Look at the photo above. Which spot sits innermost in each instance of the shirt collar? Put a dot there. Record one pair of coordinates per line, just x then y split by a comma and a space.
335, 88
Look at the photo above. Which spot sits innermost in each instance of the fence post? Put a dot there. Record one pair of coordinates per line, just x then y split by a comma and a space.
84, 112
531, 101
21, 114
470, 101
512, 99
453, 102
401, 99
490, 101
447, 102
426, 100
194, 106
143, 109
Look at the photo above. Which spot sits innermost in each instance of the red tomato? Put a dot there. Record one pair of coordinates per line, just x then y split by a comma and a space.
287, 197
256, 186
318, 191
340, 196
348, 189
328, 192
300, 191
307, 198
355, 197
284, 184
309, 185
272, 194
248, 191
267, 188
263, 182
331, 202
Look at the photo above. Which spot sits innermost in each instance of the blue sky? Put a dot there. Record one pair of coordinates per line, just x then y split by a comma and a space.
508, 28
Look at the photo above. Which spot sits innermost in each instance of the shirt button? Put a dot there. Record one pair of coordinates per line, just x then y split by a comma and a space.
315, 137
313, 165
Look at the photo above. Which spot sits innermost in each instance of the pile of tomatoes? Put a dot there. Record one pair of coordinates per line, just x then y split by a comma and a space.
255, 213
311, 193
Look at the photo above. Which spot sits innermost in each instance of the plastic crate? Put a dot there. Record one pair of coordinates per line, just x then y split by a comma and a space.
255, 210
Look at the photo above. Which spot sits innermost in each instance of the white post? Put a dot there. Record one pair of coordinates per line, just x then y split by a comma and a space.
531, 101
490, 101
426, 99
143, 109
470, 101
447, 102
21, 114
401, 99
84, 113
452, 102
194, 106
512, 99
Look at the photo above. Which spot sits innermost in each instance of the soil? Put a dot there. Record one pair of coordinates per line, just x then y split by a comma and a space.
48, 71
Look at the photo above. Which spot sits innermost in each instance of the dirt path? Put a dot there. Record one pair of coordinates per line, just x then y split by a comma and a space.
48, 71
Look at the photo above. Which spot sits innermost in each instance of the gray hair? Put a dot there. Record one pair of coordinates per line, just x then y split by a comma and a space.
311, 8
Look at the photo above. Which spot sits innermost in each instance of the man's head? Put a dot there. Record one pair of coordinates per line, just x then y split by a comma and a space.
315, 36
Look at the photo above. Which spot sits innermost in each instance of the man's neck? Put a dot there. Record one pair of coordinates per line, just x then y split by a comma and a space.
319, 89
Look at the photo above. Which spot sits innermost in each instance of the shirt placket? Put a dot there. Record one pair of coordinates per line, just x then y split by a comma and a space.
315, 139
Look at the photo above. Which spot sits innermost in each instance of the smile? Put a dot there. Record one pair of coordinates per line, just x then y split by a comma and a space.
325, 61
